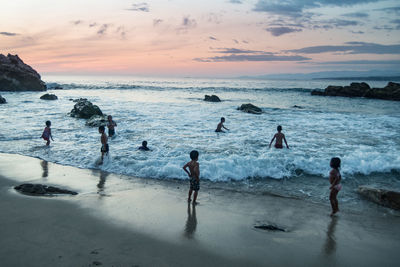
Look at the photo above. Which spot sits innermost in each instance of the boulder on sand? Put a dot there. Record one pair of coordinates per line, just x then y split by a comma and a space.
15, 75
85, 109
250, 108
49, 97
212, 98
383, 197
2, 100
42, 190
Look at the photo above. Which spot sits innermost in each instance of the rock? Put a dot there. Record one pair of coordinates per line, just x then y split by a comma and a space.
85, 109
96, 121
390, 92
43, 190
250, 108
212, 98
299, 107
49, 97
383, 197
2, 100
269, 227
15, 75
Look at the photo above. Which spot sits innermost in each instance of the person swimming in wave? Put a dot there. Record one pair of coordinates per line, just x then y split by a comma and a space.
279, 137
220, 126
334, 179
46, 135
144, 146
104, 143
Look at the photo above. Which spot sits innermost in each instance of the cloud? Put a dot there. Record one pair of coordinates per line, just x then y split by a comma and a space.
241, 57
94, 24
360, 62
350, 48
278, 31
235, 1
236, 41
356, 15
187, 23
240, 51
8, 33
77, 22
143, 7
157, 22
103, 29
212, 38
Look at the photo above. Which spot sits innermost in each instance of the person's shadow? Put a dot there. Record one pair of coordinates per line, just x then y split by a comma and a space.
45, 168
330, 243
191, 222
102, 181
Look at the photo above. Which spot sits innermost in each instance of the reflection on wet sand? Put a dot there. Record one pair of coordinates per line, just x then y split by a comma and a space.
330, 244
102, 181
45, 168
191, 222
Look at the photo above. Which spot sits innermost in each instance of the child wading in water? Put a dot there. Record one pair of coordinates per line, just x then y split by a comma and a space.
334, 179
279, 136
46, 135
111, 126
104, 146
194, 175
220, 126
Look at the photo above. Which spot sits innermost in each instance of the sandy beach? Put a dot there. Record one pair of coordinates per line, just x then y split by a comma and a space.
115, 221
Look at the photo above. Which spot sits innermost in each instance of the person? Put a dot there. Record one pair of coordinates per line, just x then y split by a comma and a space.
144, 146
279, 136
104, 145
220, 126
334, 180
46, 135
111, 126
194, 175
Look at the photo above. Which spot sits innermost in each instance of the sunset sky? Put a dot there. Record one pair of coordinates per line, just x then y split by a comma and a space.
201, 38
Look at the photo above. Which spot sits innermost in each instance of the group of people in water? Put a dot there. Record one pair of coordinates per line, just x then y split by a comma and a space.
192, 168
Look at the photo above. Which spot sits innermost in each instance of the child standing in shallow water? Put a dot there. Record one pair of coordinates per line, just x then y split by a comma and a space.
279, 137
46, 135
194, 175
334, 179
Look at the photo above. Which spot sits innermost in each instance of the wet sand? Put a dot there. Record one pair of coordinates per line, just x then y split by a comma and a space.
124, 221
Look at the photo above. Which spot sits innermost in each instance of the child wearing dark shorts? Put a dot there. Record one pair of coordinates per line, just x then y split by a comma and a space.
194, 175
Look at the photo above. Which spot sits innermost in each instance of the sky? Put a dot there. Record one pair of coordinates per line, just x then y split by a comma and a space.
220, 38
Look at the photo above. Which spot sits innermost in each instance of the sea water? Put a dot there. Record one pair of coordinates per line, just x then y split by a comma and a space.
172, 117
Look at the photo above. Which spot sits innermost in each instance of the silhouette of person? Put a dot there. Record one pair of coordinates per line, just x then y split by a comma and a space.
191, 222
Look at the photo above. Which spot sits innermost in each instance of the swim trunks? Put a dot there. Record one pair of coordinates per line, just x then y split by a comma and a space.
338, 187
104, 148
278, 146
194, 184
111, 132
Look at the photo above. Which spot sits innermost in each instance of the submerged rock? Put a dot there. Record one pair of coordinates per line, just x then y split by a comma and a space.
383, 197
96, 121
212, 98
42, 190
390, 92
15, 75
85, 109
250, 108
2, 100
49, 97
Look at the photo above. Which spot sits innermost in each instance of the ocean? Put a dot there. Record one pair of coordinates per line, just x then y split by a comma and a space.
172, 117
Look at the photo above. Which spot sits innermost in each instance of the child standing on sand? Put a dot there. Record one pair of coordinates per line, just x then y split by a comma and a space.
334, 179
46, 135
220, 126
111, 126
194, 175
104, 145
279, 136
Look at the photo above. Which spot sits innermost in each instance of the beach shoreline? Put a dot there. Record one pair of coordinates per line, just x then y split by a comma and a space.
116, 222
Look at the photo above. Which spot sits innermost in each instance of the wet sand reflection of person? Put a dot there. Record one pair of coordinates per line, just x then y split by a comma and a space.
330, 244
102, 181
45, 168
191, 222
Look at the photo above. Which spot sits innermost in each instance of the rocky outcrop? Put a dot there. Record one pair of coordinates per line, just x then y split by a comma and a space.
383, 197
85, 109
96, 121
2, 100
212, 98
250, 108
49, 97
15, 75
390, 92
42, 190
